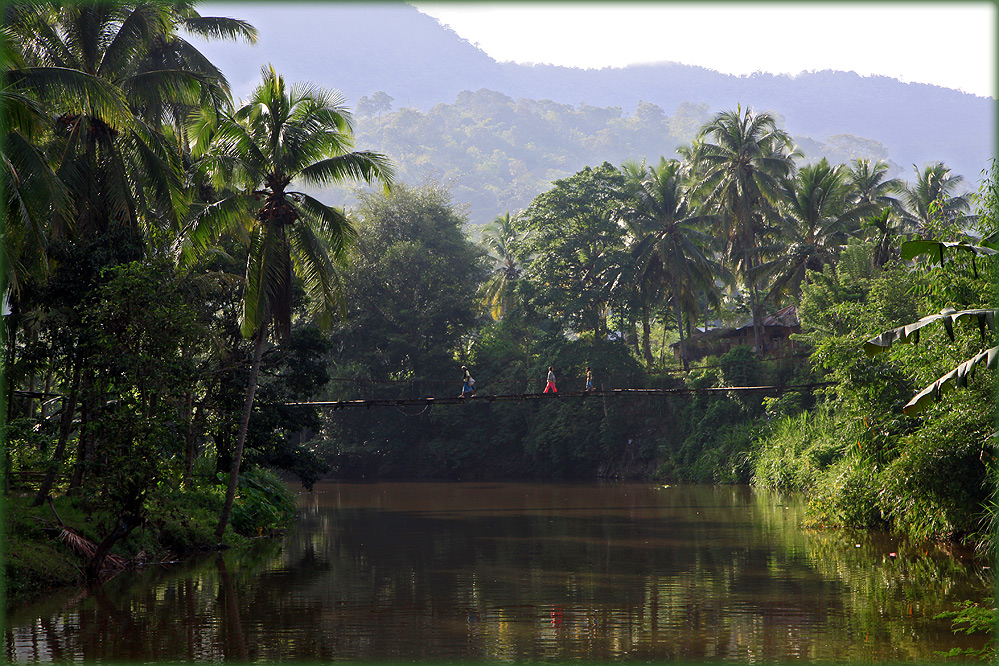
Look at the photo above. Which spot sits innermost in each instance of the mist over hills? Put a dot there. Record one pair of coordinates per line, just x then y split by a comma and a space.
392, 47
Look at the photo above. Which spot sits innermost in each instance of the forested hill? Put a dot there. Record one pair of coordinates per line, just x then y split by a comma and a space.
389, 47
496, 154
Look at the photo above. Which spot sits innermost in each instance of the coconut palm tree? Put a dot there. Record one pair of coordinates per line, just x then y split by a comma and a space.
169, 51
884, 228
742, 160
871, 188
689, 155
646, 286
883, 219
302, 134
84, 154
817, 220
667, 242
933, 198
501, 237
33, 189
29, 94
109, 75
113, 158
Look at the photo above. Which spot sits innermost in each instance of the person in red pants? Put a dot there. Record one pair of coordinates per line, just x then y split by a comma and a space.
550, 386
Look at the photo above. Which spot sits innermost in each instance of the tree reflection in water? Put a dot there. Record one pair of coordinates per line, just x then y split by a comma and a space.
525, 572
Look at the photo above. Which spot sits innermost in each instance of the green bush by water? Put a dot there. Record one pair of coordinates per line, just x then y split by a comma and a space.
178, 521
264, 503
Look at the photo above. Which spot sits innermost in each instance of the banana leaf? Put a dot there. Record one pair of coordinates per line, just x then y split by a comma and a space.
937, 249
953, 379
986, 319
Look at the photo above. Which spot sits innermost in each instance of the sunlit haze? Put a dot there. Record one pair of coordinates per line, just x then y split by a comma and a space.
947, 44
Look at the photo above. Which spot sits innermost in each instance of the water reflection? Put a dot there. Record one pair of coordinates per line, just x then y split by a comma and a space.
525, 572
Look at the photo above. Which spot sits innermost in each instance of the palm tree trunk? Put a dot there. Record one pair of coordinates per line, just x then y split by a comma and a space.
85, 441
647, 338
65, 427
30, 409
48, 386
662, 345
193, 418
8, 461
754, 304
244, 424
749, 242
126, 523
10, 340
679, 324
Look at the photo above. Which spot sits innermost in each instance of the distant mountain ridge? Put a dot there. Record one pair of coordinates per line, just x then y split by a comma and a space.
390, 47
917, 122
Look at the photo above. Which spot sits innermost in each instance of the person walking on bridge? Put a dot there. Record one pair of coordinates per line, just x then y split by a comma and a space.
550, 386
468, 384
589, 380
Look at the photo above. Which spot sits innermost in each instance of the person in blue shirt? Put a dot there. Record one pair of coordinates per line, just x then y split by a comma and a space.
468, 384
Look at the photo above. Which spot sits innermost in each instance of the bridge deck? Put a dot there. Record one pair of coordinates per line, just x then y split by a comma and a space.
520, 397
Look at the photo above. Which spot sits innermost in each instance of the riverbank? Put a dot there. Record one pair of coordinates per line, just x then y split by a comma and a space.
46, 547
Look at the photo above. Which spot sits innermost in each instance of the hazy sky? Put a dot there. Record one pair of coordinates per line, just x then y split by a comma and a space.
951, 44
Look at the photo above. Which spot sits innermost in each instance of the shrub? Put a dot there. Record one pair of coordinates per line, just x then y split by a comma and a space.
185, 519
264, 503
848, 496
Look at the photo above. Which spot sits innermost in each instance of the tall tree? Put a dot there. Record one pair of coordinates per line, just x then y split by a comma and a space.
302, 133
411, 289
170, 51
501, 237
871, 188
885, 229
742, 160
87, 68
108, 75
576, 250
816, 221
667, 240
934, 197
33, 190
877, 200
117, 165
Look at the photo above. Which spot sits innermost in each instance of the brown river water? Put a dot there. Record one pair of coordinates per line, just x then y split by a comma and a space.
525, 572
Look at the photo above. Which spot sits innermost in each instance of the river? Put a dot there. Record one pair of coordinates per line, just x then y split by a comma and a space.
525, 572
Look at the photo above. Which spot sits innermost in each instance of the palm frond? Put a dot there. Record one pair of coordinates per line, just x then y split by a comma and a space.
268, 280
361, 165
232, 214
330, 224
131, 37
164, 86
77, 543
320, 274
74, 91
218, 27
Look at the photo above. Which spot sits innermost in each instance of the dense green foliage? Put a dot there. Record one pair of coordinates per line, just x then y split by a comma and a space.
577, 300
410, 291
865, 462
